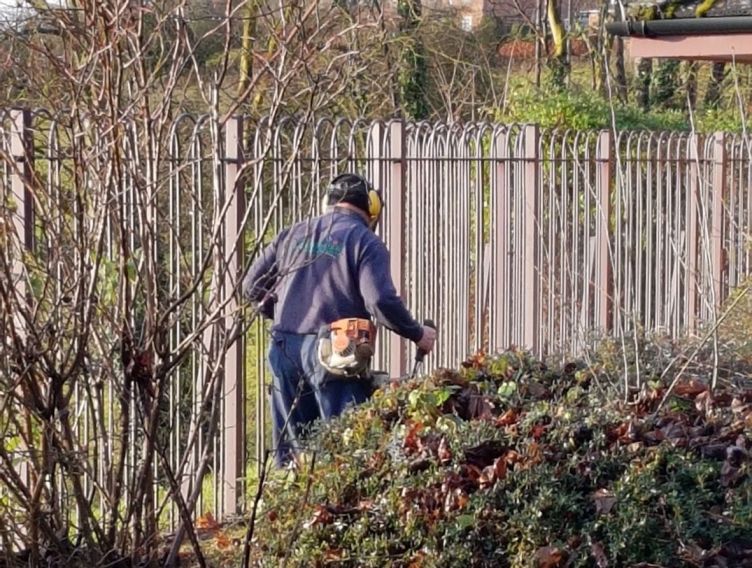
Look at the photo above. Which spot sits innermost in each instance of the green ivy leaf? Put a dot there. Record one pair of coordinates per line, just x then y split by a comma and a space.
413, 399
465, 521
441, 396
507, 389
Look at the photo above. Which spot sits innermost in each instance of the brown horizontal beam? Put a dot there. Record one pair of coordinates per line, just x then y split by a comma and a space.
727, 47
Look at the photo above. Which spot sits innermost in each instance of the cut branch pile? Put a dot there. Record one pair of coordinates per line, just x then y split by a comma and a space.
509, 463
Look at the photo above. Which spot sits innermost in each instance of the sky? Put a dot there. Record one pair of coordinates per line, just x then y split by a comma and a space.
8, 7
10, 11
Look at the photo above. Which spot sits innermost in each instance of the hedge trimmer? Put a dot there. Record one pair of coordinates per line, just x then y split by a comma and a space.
380, 378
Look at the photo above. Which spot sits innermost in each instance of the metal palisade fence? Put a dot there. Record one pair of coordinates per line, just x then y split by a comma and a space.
505, 235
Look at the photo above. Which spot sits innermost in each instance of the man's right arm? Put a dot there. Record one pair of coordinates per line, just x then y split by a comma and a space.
380, 296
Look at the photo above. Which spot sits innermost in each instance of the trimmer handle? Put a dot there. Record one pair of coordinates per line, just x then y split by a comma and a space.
420, 354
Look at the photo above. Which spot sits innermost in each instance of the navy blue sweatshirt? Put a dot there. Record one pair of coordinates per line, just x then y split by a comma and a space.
324, 269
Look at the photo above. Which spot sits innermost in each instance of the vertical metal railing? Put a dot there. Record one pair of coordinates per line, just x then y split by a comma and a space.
504, 234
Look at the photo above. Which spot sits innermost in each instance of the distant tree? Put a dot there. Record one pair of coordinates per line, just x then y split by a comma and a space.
666, 83
245, 65
464, 82
643, 79
715, 85
690, 83
533, 24
413, 71
558, 60
620, 75
620, 71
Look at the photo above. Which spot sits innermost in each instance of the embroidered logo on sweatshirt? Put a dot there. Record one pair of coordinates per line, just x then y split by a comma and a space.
328, 247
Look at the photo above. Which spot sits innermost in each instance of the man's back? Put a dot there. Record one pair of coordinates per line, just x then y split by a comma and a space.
318, 271
325, 269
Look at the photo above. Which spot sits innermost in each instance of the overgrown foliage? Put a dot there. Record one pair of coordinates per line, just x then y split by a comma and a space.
509, 462
115, 306
578, 109
98, 337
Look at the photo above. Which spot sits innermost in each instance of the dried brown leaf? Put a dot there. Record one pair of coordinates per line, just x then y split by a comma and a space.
444, 451
455, 500
704, 402
512, 457
334, 555
618, 431
476, 361
509, 417
365, 505
207, 522
534, 452
321, 516
492, 473
550, 557
473, 472
478, 407
500, 468
738, 406
417, 560
599, 554
412, 440
604, 501
462, 498
222, 541
690, 388
486, 478
537, 431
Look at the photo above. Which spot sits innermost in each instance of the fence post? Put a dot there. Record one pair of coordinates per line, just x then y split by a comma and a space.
21, 149
233, 430
530, 244
395, 209
603, 282
500, 312
692, 233
717, 201
22, 154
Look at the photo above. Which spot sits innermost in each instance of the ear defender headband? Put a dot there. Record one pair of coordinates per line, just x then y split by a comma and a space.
355, 189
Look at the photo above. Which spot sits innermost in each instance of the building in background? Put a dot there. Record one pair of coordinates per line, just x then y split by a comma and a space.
513, 14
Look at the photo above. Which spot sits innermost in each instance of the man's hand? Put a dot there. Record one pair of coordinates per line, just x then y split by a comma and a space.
428, 339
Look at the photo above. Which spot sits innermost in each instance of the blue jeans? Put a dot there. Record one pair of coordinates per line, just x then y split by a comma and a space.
303, 392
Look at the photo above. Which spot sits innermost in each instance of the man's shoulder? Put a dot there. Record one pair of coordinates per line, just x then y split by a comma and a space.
372, 238
372, 245
323, 224
304, 227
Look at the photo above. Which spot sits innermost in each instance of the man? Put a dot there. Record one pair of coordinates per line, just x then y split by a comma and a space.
318, 272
